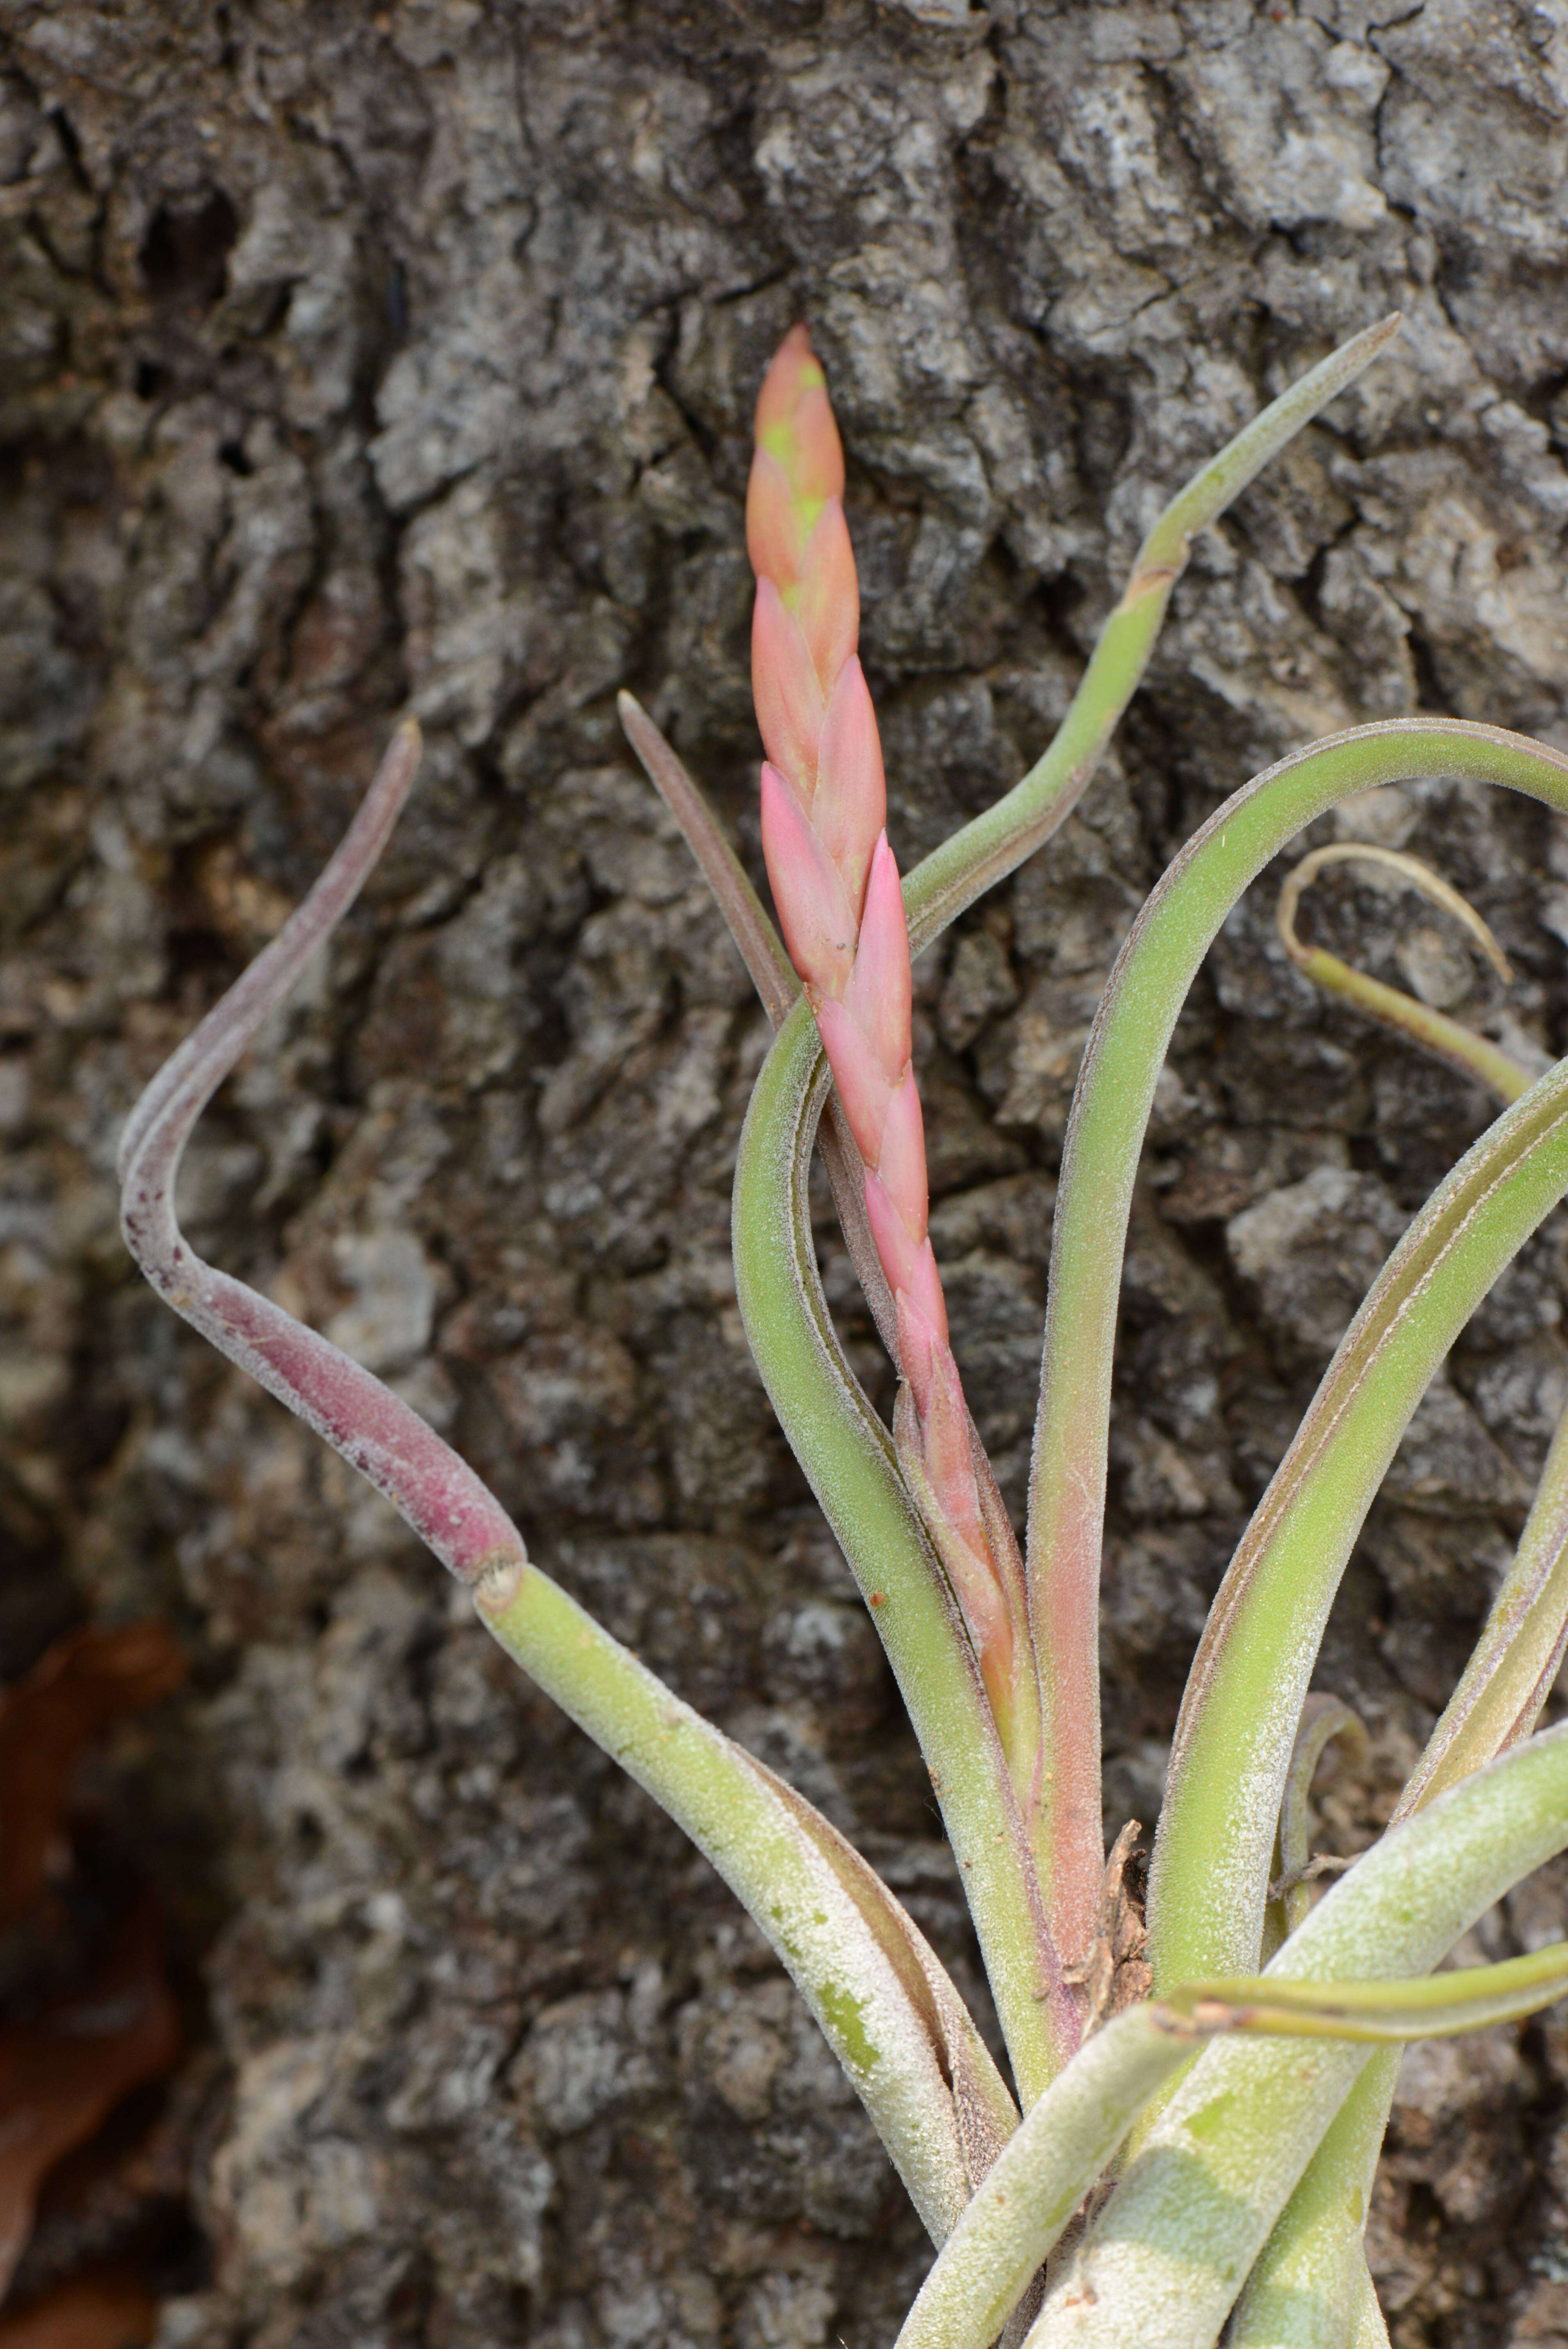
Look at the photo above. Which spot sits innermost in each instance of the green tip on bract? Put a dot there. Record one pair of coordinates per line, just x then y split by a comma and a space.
794, 427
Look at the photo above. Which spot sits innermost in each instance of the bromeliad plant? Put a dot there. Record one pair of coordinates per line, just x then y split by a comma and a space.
1195, 2130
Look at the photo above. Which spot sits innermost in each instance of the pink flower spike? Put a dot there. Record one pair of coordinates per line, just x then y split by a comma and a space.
896, 1245
921, 1341
774, 531
814, 909
862, 1088
785, 687
851, 806
902, 1162
945, 1428
781, 383
794, 420
879, 995
925, 1290
911, 1274
826, 599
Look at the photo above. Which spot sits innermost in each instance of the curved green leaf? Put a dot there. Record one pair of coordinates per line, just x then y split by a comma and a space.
882, 1997
1309, 2288
1497, 1703
997, 842
1323, 1719
887, 2008
1243, 1702
1518, 1656
1233, 1735
1461, 1047
1380, 2014
1163, 2261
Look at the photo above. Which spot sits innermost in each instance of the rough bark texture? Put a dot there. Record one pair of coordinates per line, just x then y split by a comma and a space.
353, 357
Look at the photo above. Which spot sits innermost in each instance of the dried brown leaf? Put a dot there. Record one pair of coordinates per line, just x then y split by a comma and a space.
63, 2072
109, 2311
88, 1680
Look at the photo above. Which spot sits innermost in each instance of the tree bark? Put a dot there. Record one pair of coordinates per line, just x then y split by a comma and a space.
356, 359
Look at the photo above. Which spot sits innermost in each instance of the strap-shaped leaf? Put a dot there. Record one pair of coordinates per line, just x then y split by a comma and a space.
1068, 2140
761, 947
1323, 1719
888, 2009
1165, 2260
1246, 1730
1239, 1721
1261, 1641
1519, 1653
1309, 2288
1368, 2329
883, 1998
995, 843
1380, 2013
1497, 1703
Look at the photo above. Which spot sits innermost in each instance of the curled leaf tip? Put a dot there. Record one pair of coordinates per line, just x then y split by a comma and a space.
1408, 869
1390, 1005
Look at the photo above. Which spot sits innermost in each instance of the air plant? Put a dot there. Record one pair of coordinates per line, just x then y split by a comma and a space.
1197, 2114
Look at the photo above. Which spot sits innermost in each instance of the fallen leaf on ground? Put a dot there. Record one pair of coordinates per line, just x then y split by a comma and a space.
47, 1721
63, 2072
114, 2311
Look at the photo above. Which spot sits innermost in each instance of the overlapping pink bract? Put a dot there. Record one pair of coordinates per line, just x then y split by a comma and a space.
836, 886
